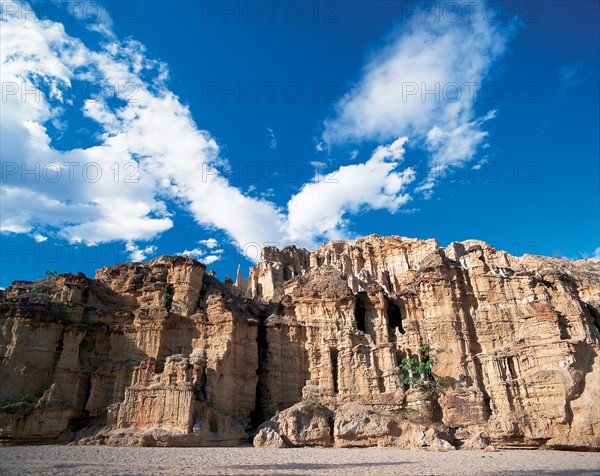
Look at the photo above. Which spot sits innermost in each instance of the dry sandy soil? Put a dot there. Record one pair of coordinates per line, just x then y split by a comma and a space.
67, 460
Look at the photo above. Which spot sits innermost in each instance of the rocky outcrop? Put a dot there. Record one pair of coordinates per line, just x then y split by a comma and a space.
360, 425
303, 424
154, 353
381, 341
513, 341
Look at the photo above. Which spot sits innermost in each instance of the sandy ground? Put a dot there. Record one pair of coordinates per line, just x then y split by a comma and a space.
68, 460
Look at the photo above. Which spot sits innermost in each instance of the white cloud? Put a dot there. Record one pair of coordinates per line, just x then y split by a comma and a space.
153, 130
203, 256
86, 203
209, 243
210, 259
95, 17
175, 161
596, 253
139, 254
454, 145
319, 208
424, 85
39, 238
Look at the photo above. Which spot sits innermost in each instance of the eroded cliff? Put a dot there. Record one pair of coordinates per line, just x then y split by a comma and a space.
153, 353
382, 341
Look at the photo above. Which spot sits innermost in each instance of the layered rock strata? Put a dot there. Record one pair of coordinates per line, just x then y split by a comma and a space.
154, 353
382, 341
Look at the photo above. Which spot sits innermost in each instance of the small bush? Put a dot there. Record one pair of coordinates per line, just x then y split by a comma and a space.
51, 273
167, 300
417, 370
23, 399
37, 289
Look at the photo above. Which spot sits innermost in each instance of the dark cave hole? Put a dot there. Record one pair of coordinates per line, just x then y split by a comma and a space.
360, 311
394, 316
258, 415
334, 368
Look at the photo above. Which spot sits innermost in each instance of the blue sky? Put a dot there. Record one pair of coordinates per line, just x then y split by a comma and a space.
141, 128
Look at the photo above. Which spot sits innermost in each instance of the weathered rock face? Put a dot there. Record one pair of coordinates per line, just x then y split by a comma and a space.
108, 351
383, 341
303, 424
514, 340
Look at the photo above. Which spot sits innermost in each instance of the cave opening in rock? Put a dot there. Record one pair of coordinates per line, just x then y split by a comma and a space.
595, 315
360, 311
258, 415
394, 315
334, 368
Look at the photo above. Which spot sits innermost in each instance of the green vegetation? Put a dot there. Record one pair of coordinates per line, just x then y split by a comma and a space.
51, 273
23, 399
415, 372
167, 300
50, 285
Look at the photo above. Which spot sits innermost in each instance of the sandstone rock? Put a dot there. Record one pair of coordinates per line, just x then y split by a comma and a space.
472, 439
303, 424
179, 376
515, 340
267, 437
162, 353
360, 425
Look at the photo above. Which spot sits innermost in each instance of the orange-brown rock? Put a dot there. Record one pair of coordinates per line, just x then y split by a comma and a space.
302, 424
399, 341
514, 340
84, 352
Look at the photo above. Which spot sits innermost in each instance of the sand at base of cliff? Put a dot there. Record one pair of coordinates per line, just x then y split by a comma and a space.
101, 460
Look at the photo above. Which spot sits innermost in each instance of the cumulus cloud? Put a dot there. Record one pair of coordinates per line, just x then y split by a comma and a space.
209, 243
139, 254
424, 85
39, 238
93, 15
203, 256
320, 208
99, 198
148, 153
207, 253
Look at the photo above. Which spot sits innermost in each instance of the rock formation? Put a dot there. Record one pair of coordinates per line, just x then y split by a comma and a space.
382, 341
